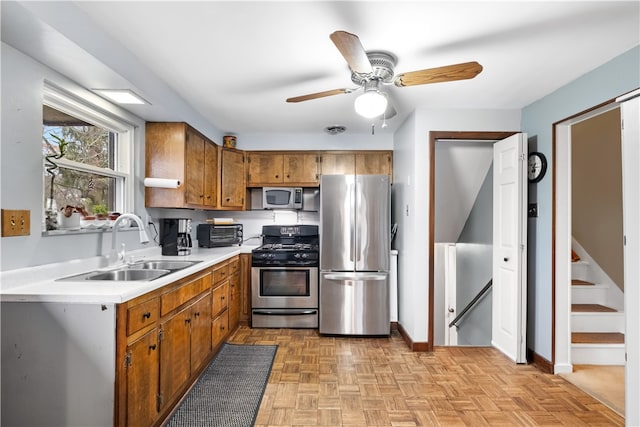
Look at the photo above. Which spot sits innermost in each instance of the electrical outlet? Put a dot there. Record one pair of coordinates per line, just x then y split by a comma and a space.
16, 222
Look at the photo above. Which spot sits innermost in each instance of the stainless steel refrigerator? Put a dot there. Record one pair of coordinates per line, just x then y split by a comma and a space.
355, 245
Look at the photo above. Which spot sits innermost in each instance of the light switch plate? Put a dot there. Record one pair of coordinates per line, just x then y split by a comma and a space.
16, 222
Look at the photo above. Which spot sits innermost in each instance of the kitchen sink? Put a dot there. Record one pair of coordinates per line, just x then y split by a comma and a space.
163, 265
128, 274
140, 271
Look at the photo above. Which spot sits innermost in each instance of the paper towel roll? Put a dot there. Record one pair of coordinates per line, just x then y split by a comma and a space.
161, 183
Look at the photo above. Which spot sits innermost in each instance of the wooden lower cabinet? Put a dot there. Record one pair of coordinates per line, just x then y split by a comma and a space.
175, 366
200, 331
165, 339
142, 379
245, 289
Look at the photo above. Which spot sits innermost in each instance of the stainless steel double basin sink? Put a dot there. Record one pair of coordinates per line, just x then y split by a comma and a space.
139, 271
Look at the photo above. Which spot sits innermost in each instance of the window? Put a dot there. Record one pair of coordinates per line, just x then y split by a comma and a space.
87, 157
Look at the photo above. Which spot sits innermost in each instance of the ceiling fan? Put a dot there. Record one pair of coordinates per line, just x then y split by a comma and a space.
370, 70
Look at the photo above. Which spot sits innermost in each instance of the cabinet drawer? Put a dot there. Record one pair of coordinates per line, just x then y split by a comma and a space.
220, 298
142, 315
234, 265
219, 329
184, 293
220, 272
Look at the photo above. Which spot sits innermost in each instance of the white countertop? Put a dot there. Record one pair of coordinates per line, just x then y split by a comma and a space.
39, 284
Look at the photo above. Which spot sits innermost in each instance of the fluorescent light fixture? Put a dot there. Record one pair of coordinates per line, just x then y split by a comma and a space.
122, 96
371, 104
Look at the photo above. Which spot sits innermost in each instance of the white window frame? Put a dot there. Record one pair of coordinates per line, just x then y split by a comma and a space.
123, 151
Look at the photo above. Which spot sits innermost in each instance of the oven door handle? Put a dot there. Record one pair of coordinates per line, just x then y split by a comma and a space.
289, 312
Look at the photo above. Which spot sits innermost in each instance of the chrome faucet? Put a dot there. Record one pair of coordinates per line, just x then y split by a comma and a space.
114, 255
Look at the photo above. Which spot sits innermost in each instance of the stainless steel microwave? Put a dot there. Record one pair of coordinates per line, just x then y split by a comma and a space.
282, 198
216, 235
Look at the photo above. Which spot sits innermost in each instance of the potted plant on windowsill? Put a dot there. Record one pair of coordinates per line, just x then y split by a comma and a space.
100, 211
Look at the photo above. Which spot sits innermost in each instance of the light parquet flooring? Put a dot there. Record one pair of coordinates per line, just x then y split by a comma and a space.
355, 381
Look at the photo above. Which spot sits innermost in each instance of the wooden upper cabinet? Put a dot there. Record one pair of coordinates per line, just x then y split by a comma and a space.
264, 169
374, 163
194, 168
232, 184
300, 169
338, 163
177, 151
358, 162
279, 168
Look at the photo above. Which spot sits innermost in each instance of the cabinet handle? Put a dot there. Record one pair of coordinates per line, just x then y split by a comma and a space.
277, 176
196, 314
228, 199
147, 315
152, 347
222, 298
187, 320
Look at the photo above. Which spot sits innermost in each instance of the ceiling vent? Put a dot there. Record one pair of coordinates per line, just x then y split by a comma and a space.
335, 130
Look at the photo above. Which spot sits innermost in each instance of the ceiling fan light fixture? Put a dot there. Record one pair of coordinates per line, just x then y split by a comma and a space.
371, 104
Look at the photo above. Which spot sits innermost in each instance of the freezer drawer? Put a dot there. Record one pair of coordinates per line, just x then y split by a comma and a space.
354, 303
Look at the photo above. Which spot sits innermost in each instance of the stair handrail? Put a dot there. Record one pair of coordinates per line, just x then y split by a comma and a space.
472, 303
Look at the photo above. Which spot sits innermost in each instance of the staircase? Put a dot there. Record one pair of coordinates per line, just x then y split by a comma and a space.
597, 330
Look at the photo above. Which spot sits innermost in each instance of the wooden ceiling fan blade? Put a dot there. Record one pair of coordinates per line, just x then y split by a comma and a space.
319, 95
464, 71
351, 49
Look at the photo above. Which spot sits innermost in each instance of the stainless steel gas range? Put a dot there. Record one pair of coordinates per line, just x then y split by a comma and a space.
284, 277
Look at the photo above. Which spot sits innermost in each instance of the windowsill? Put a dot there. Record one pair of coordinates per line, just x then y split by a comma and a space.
68, 232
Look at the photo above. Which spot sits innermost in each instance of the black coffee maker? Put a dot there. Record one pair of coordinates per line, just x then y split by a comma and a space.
175, 237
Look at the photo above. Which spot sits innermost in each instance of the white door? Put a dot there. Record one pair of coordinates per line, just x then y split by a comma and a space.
451, 332
631, 213
509, 247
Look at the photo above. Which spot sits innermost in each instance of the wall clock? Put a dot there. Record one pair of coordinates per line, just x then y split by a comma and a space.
537, 166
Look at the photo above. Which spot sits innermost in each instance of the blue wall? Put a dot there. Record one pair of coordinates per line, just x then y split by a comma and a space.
616, 77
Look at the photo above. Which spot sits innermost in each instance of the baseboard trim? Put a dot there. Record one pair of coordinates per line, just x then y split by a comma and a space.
413, 346
539, 362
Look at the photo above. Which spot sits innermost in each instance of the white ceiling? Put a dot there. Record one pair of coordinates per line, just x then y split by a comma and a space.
236, 62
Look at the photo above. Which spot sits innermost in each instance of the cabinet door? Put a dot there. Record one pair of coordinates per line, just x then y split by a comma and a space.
338, 164
175, 366
245, 288
210, 174
200, 331
142, 380
220, 298
194, 167
234, 301
300, 168
374, 163
233, 179
264, 169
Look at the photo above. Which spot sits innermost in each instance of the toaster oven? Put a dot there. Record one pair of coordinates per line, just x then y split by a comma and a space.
216, 235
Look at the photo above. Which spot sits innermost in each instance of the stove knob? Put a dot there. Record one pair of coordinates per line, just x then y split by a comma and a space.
297, 255
305, 255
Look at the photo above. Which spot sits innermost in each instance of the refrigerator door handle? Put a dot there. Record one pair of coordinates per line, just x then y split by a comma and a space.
358, 276
352, 223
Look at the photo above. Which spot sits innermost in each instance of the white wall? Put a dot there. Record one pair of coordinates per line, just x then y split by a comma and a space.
411, 183
21, 176
461, 168
382, 140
